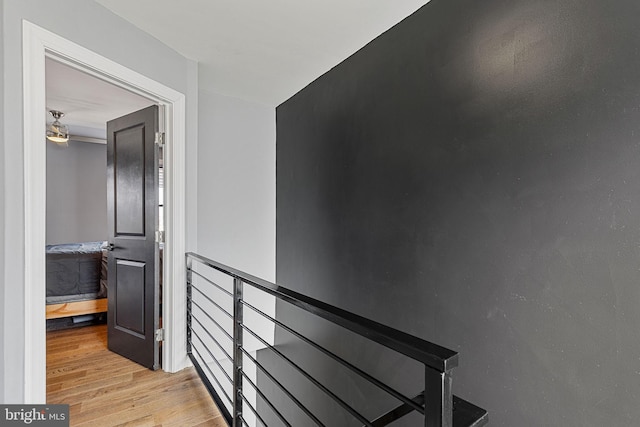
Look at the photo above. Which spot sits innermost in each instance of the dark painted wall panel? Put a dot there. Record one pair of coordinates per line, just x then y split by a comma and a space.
471, 177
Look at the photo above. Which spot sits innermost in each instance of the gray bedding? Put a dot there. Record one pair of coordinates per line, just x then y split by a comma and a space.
75, 272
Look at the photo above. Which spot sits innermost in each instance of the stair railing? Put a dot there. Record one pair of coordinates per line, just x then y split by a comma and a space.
437, 405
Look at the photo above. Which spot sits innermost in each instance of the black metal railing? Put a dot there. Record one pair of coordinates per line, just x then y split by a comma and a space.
216, 313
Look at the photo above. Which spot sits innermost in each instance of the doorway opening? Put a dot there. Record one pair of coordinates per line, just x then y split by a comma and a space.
76, 216
39, 44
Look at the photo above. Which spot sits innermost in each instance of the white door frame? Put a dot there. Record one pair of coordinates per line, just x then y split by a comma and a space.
39, 43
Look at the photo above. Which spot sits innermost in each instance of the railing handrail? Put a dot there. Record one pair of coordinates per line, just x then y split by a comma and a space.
432, 355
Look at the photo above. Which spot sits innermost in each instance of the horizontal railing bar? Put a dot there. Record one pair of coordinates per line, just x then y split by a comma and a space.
212, 392
212, 302
309, 377
255, 412
283, 388
397, 412
214, 377
212, 282
211, 336
212, 319
431, 354
267, 401
340, 360
224, 372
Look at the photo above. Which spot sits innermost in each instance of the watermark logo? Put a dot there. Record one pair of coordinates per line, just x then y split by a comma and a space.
34, 415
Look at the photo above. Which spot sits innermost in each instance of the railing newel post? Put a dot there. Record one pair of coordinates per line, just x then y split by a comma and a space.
237, 351
438, 398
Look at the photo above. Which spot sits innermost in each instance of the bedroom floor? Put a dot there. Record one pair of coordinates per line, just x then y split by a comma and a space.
105, 389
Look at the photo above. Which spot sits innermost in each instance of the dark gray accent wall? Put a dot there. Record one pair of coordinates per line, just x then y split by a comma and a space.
472, 177
76, 192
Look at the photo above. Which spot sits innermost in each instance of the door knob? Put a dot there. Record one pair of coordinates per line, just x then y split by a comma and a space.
110, 247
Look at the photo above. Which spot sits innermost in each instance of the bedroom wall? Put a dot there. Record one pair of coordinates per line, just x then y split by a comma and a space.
86, 23
471, 177
76, 193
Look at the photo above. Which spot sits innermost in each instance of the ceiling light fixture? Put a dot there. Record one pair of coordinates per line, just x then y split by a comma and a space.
57, 132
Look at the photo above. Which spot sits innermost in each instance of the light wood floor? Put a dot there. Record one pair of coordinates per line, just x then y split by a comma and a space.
104, 389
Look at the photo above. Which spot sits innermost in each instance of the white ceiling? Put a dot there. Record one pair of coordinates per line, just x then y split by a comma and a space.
86, 101
258, 50
263, 50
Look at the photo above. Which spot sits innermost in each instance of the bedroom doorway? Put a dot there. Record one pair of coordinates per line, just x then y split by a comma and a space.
81, 217
76, 189
39, 44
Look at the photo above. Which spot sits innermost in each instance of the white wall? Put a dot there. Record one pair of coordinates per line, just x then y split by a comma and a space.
237, 204
3, 296
94, 27
236, 191
76, 192
237, 176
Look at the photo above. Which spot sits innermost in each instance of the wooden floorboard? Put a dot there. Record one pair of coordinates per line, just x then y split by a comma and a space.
105, 389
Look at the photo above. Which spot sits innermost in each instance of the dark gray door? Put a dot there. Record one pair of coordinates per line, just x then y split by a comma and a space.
132, 204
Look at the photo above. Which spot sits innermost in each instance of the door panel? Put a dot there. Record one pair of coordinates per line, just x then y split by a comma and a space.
130, 309
132, 203
130, 179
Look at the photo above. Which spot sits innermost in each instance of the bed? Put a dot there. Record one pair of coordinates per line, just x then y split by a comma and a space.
76, 275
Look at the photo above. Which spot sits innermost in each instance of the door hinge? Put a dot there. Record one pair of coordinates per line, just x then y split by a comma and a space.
160, 334
159, 139
159, 236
